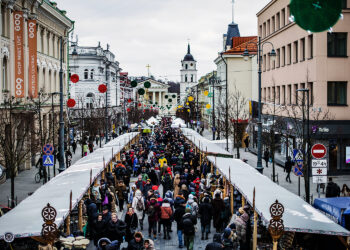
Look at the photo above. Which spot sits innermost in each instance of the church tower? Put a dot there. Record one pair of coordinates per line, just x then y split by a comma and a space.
188, 75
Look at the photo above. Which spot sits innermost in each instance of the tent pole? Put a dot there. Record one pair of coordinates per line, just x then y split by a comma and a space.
80, 216
255, 230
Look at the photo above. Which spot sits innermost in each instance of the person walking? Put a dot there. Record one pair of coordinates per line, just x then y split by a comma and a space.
267, 157
138, 205
205, 214
137, 242
165, 216
98, 229
121, 193
179, 213
216, 244
246, 142
85, 149
153, 210
74, 146
288, 168
219, 208
189, 221
332, 189
131, 221
116, 229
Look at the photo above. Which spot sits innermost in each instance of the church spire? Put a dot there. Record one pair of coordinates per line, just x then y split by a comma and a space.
233, 11
188, 49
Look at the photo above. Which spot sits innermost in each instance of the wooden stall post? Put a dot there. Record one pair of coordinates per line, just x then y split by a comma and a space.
231, 187
89, 191
255, 230
80, 216
243, 201
225, 186
68, 217
104, 168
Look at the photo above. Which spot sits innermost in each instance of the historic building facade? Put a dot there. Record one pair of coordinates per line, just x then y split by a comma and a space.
94, 66
188, 75
33, 44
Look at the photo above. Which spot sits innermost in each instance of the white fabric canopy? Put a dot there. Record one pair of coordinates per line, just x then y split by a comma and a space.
25, 220
152, 121
204, 144
298, 216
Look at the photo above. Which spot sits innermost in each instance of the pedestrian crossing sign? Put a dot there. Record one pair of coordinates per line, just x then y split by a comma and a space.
48, 160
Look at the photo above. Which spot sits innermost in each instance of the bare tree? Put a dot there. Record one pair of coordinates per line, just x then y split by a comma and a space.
238, 114
16, 142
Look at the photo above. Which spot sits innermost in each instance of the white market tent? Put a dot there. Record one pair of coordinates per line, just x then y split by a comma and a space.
204, 144
298, 216
25, 220
152, 121
178, 123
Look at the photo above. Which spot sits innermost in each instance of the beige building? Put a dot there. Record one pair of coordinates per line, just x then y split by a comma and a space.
317, 61
51, 26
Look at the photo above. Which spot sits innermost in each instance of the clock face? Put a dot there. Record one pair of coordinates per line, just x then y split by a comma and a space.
191, 64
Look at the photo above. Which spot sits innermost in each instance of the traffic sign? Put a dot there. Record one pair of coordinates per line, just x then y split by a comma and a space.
298, 171
319, 171
298, 157
319, 179
318, 151
48, 149
48, 160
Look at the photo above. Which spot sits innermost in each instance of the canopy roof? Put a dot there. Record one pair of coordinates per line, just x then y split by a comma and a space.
25, 220
204, 144
298, 216
335, 207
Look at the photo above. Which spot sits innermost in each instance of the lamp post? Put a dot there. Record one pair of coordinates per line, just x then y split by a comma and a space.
213, 79
61, 134
106, 107
246, 55
226, 102
53, 126
307, 169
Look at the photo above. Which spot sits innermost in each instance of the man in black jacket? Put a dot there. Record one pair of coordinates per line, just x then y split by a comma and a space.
216, 244
179, 213
206, 214
332, 189
136, 243
189, 221
116, 229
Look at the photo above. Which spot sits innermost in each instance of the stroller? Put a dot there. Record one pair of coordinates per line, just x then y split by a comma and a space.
106, 244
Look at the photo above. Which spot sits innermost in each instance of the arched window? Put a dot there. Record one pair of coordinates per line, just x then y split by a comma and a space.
92, 74
186, 66
90, 100
185, 78
4, 73
191, 78
86, 74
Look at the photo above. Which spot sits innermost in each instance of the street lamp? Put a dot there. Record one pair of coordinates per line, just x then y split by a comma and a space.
53, 128
246, 56
307, 169
61, 134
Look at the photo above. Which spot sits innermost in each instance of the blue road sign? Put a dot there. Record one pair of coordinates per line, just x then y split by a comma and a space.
48, 160
298, 171
298, 159
48, 149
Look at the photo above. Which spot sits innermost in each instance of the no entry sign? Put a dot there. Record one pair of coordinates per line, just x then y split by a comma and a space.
318, 151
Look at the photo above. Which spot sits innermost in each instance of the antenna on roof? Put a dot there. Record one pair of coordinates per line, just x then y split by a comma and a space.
233, 11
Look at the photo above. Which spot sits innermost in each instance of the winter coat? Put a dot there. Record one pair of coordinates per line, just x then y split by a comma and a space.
116, 231
98, 230
140, 185
120, 189
133, 245
146, 188
176, 185
218, 207
150, 246
189, 221
154, 177
193, 205
165, 211
167, 183
179, 213
205, 213
156, 214
138, 196
131, 225
179, 200
241, 227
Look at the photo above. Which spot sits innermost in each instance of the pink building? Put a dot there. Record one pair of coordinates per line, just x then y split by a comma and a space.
317, 61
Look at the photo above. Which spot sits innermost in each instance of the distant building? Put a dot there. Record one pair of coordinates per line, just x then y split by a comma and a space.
95, 66
188, 75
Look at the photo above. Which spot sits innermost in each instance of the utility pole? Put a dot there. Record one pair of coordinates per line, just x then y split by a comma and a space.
61, 135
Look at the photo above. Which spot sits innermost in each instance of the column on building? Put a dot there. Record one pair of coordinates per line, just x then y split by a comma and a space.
153, 97
160, 98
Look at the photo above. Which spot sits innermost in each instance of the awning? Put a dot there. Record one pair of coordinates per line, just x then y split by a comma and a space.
334, 207
204, 144
298, 216
25, 220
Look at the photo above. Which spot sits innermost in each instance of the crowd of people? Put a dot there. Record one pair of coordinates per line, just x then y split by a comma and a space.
173, 185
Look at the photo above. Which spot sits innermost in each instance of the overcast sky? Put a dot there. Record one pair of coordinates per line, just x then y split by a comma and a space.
156, 32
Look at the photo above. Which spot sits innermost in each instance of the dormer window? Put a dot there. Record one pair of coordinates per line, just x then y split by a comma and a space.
86, 74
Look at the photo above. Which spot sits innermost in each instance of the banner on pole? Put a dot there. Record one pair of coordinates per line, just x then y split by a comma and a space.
19, 56
32, 69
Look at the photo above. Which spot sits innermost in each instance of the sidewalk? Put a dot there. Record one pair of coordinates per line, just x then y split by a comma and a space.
279, 172
25, 183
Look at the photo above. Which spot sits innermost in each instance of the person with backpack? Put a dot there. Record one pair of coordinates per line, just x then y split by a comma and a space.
165, 216
153, 211
138, 205
189, 221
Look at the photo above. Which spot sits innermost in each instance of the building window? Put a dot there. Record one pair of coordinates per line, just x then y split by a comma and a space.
4, 73
278, 21
48, 43
186, 66
268, 27
278, 58
185, 78
264, 30
336, 44
296, 101
268, 94
273, 24
289, 94
302, 49
86, 74
260, 31
191, 78
344, 4
264, 64
289, 54
295, 48
92, 74
283, 101
288, 14
278, 95
42, 41
311, 46
3, 21
283, 56
283, 18
336, 93
311, 93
